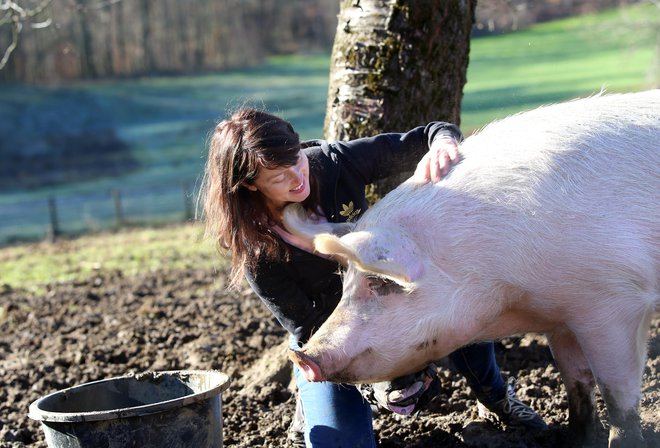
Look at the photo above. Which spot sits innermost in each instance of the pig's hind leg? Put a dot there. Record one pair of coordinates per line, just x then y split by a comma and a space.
580, 386
616, 351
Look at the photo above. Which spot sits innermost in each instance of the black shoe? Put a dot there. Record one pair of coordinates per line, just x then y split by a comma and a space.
510, 409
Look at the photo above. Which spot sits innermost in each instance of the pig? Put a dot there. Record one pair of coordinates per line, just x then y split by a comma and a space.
550, 223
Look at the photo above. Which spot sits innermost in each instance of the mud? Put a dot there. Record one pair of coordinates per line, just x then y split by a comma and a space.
111, 325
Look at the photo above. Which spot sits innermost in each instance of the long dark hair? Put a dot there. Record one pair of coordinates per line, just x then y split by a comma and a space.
237, 218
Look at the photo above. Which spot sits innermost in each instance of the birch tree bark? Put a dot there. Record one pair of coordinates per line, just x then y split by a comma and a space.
397, 64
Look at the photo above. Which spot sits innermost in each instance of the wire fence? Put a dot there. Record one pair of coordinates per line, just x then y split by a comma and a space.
79, 213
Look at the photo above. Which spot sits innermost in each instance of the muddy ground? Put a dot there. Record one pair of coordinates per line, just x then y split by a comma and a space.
110, 325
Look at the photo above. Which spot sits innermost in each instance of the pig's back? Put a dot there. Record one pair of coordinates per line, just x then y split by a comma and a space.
593, 152
570, 189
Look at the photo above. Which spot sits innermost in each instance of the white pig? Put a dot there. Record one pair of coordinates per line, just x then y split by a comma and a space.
550, 223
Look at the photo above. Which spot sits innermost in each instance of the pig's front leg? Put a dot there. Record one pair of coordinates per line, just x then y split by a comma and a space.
580, 386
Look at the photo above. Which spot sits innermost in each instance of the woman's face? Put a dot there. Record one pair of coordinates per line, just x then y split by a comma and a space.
281, 186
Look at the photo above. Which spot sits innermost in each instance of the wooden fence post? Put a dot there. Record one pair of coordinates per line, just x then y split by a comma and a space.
119, 213
187, 203
53, 226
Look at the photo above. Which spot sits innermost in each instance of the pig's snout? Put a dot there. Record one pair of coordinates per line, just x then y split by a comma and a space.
309, 367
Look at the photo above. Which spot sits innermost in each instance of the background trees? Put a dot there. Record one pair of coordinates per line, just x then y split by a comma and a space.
14, 17
46, 41
116, 38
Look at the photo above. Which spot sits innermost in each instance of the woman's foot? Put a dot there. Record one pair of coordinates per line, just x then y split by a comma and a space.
509, 409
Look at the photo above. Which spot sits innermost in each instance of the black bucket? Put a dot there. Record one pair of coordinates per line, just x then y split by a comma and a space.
154, 409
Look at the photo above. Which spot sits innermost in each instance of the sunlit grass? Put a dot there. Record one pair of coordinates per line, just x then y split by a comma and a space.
131, 251
549, 62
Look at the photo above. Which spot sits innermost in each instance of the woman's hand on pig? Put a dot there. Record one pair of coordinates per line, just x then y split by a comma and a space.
436, 163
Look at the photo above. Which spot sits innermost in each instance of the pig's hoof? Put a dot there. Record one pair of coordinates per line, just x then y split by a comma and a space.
626, 439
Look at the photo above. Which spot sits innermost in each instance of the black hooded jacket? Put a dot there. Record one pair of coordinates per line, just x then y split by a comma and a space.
304, 290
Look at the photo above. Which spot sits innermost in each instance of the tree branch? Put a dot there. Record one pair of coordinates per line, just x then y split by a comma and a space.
16, 16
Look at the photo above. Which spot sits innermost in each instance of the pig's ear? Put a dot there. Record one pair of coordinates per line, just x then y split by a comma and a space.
301, 224
380, 251
329, 244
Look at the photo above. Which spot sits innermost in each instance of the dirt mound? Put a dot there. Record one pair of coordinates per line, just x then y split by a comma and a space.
110, 325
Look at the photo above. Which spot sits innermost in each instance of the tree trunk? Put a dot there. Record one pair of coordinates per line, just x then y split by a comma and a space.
397, 64
86, 44
148, 58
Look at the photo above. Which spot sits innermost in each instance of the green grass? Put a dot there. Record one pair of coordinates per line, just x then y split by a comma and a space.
554, 61
166, 121
129, 251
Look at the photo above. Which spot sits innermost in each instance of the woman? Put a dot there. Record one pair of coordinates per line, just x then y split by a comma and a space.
256, 166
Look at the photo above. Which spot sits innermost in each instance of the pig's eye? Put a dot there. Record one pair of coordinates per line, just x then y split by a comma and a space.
383, 286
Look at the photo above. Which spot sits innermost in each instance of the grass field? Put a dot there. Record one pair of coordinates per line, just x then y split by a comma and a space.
166, 120
549, 62
130, 251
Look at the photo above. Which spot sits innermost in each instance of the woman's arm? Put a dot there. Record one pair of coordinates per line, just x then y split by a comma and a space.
377, 157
